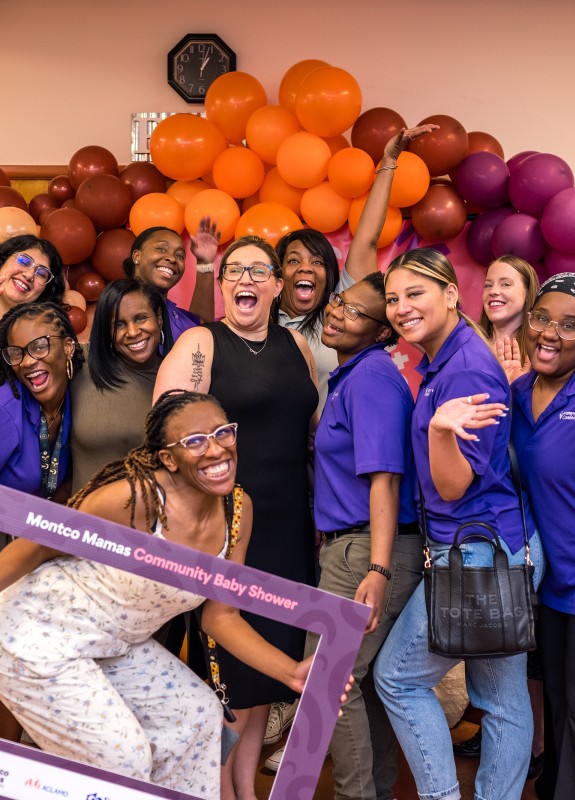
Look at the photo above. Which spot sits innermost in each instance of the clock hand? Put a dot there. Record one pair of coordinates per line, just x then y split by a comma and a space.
204, 63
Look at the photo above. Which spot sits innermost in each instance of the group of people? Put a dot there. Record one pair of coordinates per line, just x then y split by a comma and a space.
292, 395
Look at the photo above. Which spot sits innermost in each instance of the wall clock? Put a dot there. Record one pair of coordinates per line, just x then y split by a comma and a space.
195, 62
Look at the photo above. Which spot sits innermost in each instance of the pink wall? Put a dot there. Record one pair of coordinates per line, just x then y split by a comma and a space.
72, 71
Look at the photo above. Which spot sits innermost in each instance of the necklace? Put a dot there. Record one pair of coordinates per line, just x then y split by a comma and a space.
251, 349
55, 416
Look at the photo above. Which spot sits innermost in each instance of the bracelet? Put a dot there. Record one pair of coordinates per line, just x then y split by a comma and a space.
389, 166
382, 570
202, 268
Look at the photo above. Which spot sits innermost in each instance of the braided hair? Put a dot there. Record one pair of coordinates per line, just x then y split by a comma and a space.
48, 313
140, 465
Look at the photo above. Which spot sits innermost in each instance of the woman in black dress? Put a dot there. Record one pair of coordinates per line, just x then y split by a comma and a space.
264, 376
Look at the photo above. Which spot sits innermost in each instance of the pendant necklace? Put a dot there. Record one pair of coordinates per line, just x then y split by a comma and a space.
251, 349
51, 422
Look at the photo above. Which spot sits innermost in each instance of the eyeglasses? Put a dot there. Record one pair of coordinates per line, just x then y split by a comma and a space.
258, 271
540, 322
41, 272
351, 312
37, 348
197, 443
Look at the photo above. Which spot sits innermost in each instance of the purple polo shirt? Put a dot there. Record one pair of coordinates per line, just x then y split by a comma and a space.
20, 444
546, 455
364, 428
463, 366
180, 320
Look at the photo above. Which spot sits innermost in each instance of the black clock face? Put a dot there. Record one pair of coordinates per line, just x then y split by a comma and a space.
195, 62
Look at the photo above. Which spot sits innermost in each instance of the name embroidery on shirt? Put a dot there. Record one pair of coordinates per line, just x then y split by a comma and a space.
429, 391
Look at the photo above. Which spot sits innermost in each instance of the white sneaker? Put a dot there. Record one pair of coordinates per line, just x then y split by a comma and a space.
280, 718
274, 761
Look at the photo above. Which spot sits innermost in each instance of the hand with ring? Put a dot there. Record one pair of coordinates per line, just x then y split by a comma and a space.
472, 411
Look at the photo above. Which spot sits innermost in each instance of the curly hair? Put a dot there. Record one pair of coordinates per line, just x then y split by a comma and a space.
48, 313
54, 290
140, 465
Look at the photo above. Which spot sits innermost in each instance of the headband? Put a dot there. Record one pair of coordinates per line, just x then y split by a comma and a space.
562, 282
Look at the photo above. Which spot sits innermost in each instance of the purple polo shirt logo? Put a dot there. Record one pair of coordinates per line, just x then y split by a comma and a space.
429, 391
567, 415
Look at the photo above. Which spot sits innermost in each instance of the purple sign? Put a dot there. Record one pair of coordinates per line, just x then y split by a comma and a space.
339, 621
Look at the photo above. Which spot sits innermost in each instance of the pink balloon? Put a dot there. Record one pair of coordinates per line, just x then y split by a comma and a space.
480, 233
482, 178
519, 235
558, 262
536, 180
518, 158
558, 222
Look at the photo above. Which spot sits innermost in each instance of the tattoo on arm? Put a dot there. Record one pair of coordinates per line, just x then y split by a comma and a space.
198, 361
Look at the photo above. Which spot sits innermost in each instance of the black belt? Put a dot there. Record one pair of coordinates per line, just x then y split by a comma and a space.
404, 529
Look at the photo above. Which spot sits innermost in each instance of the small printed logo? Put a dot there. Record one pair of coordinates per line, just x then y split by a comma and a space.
429, 391
96, 796
35, 783
567, 415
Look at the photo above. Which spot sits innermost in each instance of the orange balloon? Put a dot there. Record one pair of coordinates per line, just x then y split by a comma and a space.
238, 171
328, 101
250, 201
391, 226
292, 79
410, 180
231, 100
351, 172
156, 209
323, 208
303, 159
185, 146
14, 222
72, 298
184, 191
267, 128
219, 206
275, 190
271, 221
484, 142
337, 143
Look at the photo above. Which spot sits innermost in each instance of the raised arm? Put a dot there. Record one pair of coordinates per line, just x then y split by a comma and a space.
362, 256
188, 365
204, 246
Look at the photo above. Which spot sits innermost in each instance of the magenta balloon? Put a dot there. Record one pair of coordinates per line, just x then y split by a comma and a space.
482, 179
518, 158
480, 233
519, 235
558, 222
536, 180
558, 262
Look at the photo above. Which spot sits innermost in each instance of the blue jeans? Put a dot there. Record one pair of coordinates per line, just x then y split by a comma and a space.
405, 673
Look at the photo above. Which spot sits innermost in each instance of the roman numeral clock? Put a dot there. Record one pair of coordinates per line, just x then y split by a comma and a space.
195, 62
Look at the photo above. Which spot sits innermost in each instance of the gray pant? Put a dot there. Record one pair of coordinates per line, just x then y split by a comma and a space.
363, 746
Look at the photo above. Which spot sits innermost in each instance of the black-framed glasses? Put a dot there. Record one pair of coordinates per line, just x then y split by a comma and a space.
37, 349
258, 271
538, 321
197, 443
41, 272
351, 312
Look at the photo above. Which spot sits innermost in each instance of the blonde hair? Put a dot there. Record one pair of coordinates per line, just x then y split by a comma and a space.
531, 283
432, 264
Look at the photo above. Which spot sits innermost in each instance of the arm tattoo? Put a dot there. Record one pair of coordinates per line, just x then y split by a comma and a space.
198, 361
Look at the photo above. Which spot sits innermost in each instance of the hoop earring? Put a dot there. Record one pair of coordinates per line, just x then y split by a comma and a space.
162, 337
69, 369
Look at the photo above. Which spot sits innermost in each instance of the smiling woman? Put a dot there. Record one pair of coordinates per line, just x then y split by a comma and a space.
30, 271
111, 399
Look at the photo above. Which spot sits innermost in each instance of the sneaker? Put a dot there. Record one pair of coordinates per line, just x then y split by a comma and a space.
274, 761
470, 748
280, 718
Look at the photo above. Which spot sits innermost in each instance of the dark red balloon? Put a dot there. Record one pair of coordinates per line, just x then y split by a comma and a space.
44, 214
70, 203
442, 149
71, 232
142, 178
40, 203
91, 285
10, 197
480, 142
75, 271
61, 188
106, 200
441, 214
112, 248
4, 179
77, 317
374, 128
89, 161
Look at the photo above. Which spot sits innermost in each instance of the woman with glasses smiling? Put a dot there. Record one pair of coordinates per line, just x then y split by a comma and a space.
30, 271
263, 375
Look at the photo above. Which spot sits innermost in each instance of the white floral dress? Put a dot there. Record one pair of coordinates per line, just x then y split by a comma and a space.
79, 670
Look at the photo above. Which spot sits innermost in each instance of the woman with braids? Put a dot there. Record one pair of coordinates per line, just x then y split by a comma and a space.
93, 685
40, 354
30, 271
